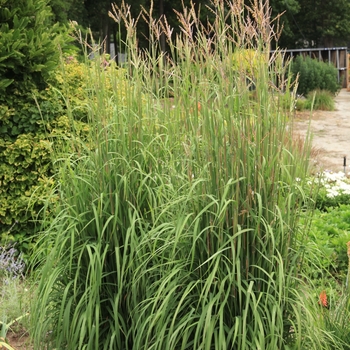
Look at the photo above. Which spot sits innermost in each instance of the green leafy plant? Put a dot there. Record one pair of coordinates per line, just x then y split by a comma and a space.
331, 232
320, 100
333, 190
326, 258
316, 100
30, 48
336, 315
337, 320
28, 45
313, 75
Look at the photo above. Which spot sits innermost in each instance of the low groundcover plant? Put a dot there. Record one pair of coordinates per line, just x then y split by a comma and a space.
11, 272
335, 183
334, 189
11, 263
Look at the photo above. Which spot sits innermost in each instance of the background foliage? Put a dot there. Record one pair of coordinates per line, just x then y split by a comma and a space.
48, 118
30, 51
330, 230
305, 23
314, 75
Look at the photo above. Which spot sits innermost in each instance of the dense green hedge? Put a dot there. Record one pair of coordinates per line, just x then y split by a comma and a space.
314, 75
29, 45
34, 124
30, 49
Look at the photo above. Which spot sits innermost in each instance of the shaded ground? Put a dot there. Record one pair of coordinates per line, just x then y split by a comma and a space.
19, 341
330, 134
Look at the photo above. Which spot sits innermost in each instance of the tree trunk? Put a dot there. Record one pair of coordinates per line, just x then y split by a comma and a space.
161, 16
116, 44
105, 32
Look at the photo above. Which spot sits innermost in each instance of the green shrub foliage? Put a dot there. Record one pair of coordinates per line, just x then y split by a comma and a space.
314, 75
30, 50
25, 164
32, 125
28, 45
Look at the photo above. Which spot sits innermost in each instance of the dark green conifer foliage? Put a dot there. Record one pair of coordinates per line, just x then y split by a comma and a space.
314, 75
30, 46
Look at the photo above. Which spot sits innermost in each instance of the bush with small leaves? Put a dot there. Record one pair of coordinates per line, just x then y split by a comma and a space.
31, 128
314, 75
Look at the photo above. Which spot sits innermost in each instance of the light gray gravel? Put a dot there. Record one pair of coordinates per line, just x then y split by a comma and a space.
330, 134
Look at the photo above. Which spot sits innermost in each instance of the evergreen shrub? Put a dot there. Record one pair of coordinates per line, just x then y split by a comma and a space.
314, 75
29, 53
26, 143
31, 46
32, 126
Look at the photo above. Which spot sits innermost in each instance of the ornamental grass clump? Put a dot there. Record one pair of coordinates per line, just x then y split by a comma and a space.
178, 225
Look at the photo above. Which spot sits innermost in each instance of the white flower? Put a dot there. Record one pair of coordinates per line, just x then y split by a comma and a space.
332, 193
335, 183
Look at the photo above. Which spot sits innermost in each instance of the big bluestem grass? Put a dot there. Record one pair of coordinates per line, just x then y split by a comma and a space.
178, 221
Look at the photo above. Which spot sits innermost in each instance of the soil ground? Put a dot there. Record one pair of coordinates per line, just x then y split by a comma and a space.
19, 341
330, 133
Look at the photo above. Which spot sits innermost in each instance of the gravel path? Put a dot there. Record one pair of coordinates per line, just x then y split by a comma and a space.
330, 134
